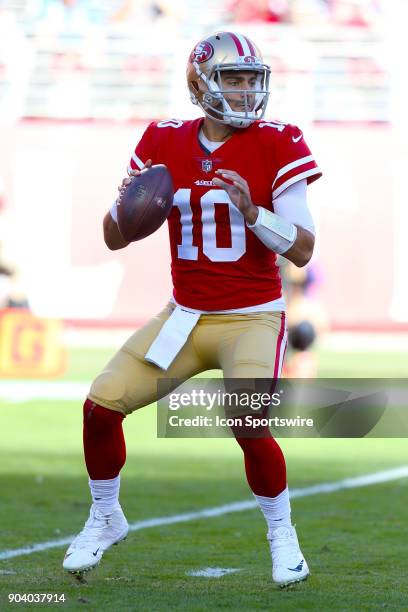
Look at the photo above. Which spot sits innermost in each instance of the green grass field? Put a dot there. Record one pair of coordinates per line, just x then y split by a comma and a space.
355, 540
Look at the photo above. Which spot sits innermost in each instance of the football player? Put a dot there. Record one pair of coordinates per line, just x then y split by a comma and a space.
240, 199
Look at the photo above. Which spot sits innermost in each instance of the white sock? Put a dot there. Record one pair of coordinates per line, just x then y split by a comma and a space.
105, 493
276, 510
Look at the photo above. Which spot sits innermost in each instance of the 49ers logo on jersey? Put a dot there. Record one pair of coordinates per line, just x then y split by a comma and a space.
202, 53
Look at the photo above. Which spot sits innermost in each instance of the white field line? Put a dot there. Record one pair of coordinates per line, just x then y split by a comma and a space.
328, 487
335, 341
19, 391
16, 391
213, 572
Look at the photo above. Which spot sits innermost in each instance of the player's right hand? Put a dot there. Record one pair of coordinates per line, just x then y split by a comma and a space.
132, 173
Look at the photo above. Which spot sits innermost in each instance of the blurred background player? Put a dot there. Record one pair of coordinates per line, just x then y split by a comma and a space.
230, 170
307, 319
12, 293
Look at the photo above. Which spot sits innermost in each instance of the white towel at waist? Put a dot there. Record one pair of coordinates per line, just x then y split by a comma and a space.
172, 337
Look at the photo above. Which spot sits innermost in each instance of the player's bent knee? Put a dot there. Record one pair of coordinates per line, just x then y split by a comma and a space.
109, 386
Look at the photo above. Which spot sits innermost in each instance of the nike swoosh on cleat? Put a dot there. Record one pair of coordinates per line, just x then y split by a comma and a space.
298, 568
96, 552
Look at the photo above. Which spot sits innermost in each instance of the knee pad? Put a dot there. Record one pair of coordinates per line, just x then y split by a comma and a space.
109, 386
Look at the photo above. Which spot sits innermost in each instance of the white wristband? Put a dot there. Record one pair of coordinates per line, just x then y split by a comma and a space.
114, 211
274, 231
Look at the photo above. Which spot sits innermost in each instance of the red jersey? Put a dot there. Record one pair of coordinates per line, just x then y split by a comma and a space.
217, 262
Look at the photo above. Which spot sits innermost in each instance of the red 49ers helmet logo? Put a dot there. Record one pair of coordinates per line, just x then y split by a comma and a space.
202, 52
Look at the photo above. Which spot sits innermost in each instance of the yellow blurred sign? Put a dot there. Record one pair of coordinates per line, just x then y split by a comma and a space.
29, 346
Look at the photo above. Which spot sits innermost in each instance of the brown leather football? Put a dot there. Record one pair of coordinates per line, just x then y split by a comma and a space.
145, 203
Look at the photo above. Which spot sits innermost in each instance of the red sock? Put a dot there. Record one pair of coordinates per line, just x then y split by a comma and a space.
104, 442
265, 465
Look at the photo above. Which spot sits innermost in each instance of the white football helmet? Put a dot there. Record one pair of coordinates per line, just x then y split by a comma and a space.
227, 52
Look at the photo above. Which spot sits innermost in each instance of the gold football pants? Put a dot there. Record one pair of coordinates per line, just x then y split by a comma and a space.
241, 345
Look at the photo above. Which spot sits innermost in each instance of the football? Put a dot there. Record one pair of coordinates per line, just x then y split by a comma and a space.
145, 203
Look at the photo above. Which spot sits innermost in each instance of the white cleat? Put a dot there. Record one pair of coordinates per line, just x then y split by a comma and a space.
99, 533
288, 564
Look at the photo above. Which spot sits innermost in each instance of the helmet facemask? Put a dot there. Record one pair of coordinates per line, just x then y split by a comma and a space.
214, 100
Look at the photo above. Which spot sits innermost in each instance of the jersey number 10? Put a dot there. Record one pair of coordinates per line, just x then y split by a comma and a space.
208, 202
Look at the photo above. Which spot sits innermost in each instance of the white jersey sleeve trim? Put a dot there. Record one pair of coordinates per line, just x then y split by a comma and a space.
294, 164
137, 161
292, 206
295, 179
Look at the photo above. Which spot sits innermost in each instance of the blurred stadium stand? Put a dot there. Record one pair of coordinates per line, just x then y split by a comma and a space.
125, 67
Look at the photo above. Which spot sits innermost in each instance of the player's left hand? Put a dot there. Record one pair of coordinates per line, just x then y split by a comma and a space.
238, 191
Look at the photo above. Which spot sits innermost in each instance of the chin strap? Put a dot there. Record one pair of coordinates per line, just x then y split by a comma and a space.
274, 231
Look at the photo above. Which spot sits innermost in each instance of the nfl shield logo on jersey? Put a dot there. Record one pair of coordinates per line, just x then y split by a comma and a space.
206, 165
